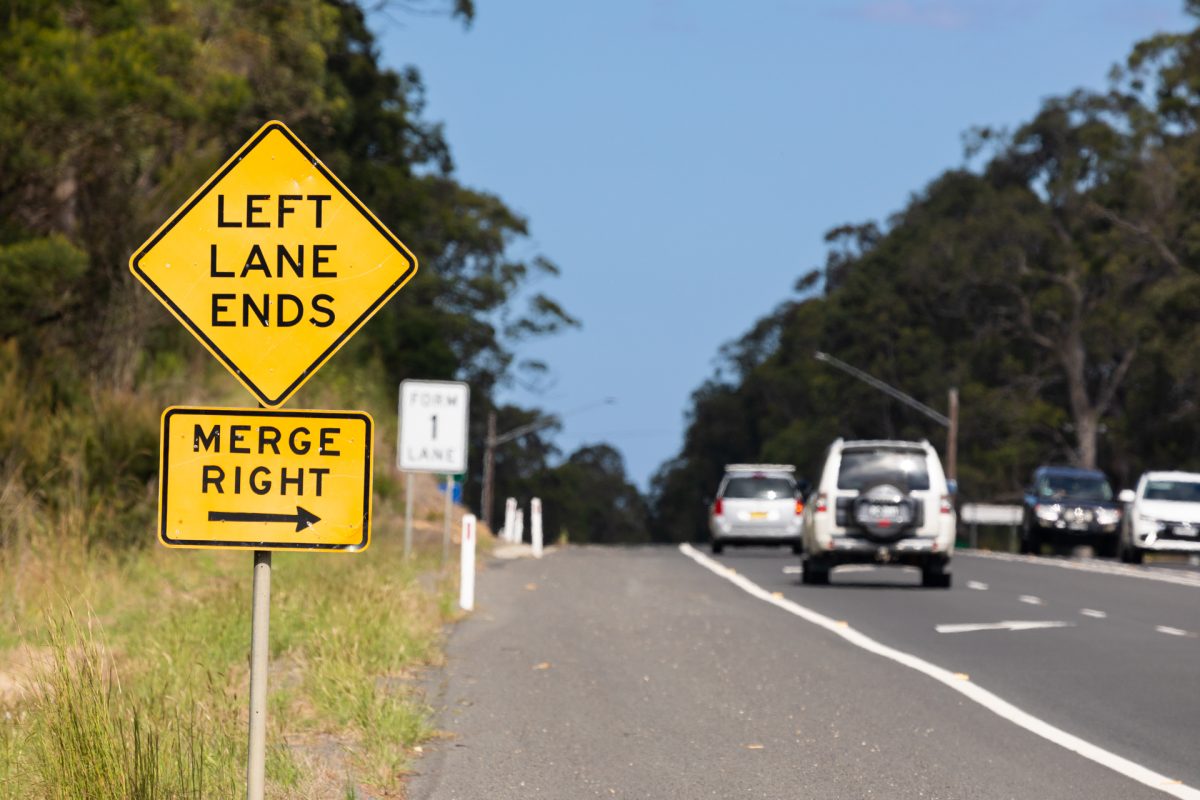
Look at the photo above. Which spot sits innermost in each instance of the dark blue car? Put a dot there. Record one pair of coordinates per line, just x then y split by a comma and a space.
1067, 506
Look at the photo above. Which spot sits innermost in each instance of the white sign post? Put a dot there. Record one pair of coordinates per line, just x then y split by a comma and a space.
432, 435
466, 581
535, 526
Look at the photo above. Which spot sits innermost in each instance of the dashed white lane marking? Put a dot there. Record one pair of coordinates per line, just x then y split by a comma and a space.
1150, 573
1170, 631
1031, 600
978, 586
792, 569
973, 691
1093, 613
1006, 625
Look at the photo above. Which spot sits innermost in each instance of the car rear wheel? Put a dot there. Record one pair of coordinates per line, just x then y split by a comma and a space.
717, 547
814, 573
935, 576
1131, 555
1029, 545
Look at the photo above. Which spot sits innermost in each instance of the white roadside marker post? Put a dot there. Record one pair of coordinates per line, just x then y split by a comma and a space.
466, 581
535, 526
519, 528
510, 519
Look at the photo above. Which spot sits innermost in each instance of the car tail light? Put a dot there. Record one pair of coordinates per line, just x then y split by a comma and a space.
799, 507
822, 504
718, 507
947, 506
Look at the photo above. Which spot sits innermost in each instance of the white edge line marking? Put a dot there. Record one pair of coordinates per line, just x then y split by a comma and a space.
1031, 600
983, 697
978, 586
1159, 574
1170, 631
1093, 613
1006, 625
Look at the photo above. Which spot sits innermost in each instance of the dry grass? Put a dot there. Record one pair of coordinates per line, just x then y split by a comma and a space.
123, 665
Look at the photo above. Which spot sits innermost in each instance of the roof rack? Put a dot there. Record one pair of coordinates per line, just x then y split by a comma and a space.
759, 468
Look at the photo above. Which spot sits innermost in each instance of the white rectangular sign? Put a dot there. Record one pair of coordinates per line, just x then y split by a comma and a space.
987, 514
433, 427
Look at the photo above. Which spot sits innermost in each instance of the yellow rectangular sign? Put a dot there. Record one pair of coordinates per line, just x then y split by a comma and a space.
257, 479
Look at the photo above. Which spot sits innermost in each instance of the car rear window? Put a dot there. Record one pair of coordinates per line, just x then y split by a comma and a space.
862, 469
1179, 491
759, 488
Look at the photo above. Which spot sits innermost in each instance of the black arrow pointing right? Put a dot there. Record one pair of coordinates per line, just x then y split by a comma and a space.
302, 518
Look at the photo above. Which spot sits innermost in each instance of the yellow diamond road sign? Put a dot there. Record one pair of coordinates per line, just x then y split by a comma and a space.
265, 480
273, 264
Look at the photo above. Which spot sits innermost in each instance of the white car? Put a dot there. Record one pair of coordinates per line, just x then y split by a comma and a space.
1162, 516
880, 502
756, 504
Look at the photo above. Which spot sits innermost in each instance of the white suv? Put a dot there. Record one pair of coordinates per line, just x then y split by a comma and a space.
756, 504
1163, 516
882, 502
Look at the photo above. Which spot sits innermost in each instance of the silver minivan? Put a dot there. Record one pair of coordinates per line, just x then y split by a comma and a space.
756, 504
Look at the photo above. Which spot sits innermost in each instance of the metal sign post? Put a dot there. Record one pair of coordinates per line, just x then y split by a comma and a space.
447, 513
409, 496
260, 621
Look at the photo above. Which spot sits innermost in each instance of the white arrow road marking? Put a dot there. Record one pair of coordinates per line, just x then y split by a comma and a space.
1171, 631
1031, 600
1093, 613
978, 586
1007, 625
967, 688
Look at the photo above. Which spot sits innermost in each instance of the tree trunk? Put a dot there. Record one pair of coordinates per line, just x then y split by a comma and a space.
1087, 435
1084, 416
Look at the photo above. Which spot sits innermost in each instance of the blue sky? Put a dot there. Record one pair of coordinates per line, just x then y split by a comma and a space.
681, 161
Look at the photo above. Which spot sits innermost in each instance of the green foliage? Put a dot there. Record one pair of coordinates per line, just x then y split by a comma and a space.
88, 740
589, 498
38, 276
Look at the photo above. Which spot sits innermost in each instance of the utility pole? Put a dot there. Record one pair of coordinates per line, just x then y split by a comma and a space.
489, 469
950, 422
952, 438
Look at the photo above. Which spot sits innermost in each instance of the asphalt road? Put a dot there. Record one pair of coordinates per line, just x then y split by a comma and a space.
639, 673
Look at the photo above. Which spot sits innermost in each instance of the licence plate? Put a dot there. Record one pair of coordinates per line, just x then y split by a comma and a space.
1184, 530
885, 512
758, 515
1077, 526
